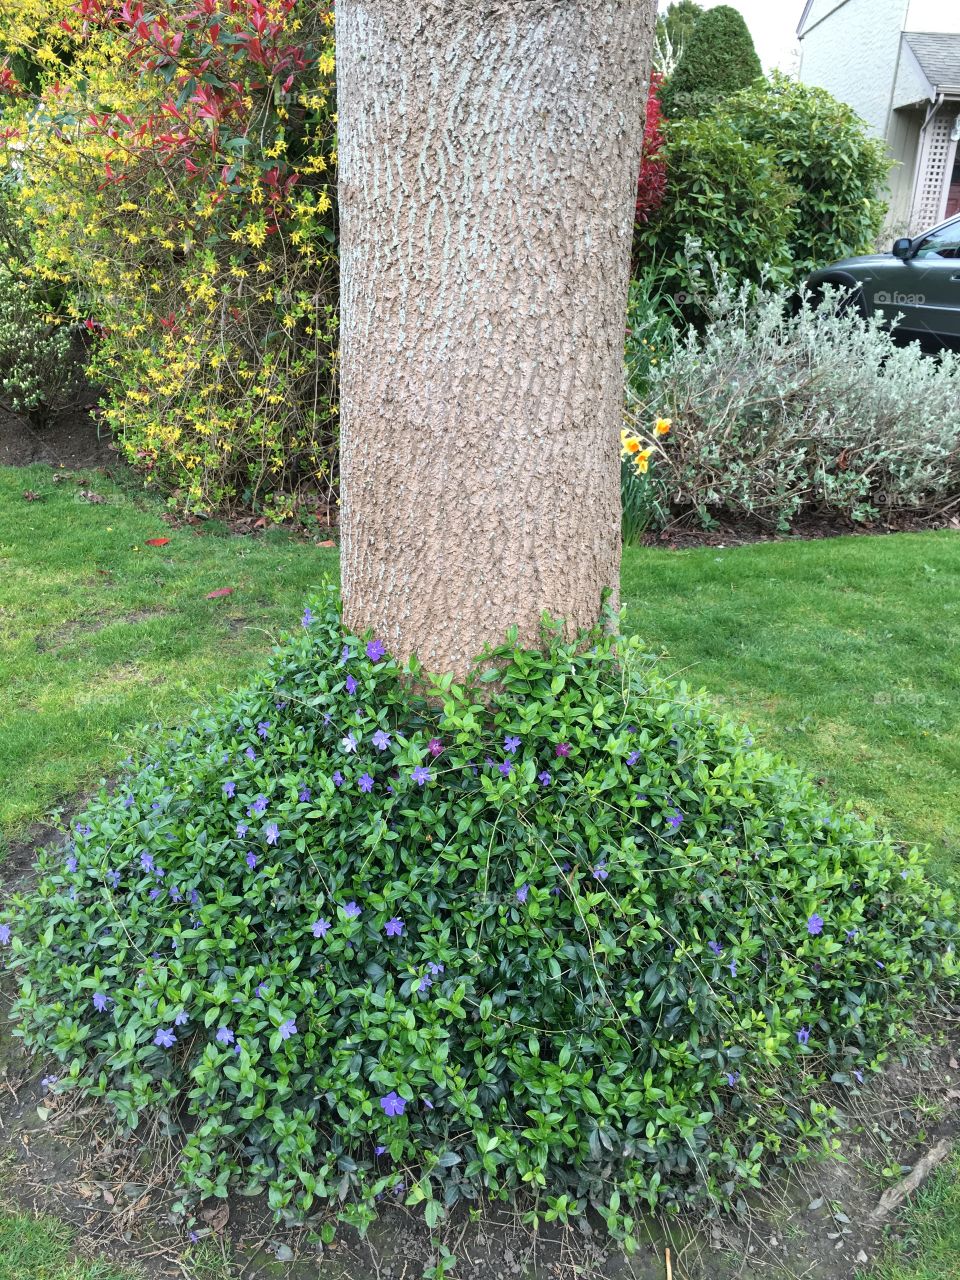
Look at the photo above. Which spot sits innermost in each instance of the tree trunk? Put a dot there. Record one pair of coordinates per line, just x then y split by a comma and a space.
489, 152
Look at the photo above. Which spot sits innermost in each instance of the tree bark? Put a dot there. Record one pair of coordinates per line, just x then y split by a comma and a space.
488, 153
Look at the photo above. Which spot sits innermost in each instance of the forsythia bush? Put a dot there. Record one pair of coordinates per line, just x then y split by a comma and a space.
178, 171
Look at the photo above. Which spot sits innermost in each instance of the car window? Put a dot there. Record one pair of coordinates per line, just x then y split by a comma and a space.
944, 243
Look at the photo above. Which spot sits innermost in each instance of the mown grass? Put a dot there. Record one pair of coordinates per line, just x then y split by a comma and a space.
844, 654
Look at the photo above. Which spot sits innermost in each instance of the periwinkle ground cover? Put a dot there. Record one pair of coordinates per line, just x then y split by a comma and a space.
356, 933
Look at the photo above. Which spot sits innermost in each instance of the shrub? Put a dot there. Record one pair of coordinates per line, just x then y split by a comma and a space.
653, 166
584, 939
822, 147
778, 409
726, 198
180, 171
40, 374
718, 59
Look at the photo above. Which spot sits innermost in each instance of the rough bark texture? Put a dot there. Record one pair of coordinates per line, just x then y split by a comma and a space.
489, 152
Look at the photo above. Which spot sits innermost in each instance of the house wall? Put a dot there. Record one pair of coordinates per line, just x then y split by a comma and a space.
853, 54
904, 143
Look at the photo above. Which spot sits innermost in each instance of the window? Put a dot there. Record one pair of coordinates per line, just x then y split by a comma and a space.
944, 243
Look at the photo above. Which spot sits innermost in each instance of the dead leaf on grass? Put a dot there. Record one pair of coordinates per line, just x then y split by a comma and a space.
88, 495
219, 593
31, 495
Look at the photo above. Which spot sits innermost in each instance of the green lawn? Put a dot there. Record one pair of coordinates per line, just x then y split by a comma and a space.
844, 654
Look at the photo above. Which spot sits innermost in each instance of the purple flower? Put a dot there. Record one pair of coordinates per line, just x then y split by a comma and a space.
366, 783
351, 685
435, 747
393, 928
153, 895
434, 968
803, 1035
83, 829
192, 1237
421, 775
427, 1103
632, 758
225, 1036
393, 1104
381, 740
272, 833
522, 893
288, 1028
733, 968
716, 948
304, 796
259, 990
375, 650
858, 1076
242, 829
181, 1019
250, 753
851, 934
379, 1151
307, 617
732, 1078
675, 820
71, 864
337, 778
563, 749
424, 984
600, 871
263, 728
165, 1038
506, 768
100, 1001
251, 860
259, 806
544, 778
351, 911
320, 928
146, 861
345, 653
349, 743
229, 790
511, 744
128, 802
48, 1082
815, 924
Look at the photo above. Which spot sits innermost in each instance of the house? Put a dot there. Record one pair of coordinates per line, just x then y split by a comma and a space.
897, 63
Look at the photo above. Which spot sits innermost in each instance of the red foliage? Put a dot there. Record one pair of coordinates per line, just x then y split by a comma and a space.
652, 186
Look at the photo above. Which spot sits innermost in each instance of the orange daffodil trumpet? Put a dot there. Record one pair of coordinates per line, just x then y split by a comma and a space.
633, 446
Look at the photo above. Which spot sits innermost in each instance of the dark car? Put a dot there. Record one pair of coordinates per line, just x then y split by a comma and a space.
917, 285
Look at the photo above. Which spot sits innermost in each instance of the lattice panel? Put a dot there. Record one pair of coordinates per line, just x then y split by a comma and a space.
938, 149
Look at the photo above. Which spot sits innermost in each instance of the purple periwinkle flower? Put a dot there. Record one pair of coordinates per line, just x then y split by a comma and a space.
394, 928
320, 928
379, 1151
505, 768
675, 820
192, 1237
128, 802
434, 968
181, 1019
351, 685
259, 805
71, 864
229, 790
427, 1103
716, 948
307, 618
242, 829
348, 742
600, 871
733, 968
304, 796
165, 1038
154, 894
250, 753
146, 861
260, 990
48, 1082
511, 744
337, 778
732, 1078
375, 650
435, 747
858, 1075
288, 1028
803, 1035
522, 893
544, 778
351, 911
563, 749
365, 783
100, 1001
381, 740
251, 859
272, 833
632, 758
424, 984
815, 924
263, 728
225, 1036
393, 1104
421, 775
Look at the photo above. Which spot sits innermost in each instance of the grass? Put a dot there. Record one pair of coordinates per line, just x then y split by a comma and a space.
843, 653
99, 631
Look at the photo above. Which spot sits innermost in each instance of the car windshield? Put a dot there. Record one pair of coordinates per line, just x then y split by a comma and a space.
943, 243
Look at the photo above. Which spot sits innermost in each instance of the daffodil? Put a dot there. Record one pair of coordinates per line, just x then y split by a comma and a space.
642, 461
630, 444
663, 426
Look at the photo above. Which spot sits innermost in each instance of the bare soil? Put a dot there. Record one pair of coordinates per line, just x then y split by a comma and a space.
806, 528
72, 441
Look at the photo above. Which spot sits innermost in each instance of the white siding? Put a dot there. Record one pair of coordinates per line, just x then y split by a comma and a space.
912, 85
853, 55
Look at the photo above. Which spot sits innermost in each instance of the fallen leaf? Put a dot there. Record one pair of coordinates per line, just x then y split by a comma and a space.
89, 496
328, 543
221, 591
157, 542
30, 495
283, 1253
217, 1216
